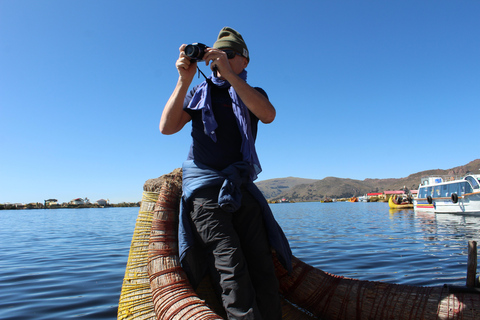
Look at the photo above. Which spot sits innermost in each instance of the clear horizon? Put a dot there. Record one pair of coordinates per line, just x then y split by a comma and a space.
94, 201
374, 89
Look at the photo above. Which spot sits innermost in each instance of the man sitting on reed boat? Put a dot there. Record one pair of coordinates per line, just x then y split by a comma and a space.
225, 222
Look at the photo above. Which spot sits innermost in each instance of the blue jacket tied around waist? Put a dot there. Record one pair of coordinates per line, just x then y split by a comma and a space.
230, 179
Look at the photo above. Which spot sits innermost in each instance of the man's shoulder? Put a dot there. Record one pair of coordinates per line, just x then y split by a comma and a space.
261, 91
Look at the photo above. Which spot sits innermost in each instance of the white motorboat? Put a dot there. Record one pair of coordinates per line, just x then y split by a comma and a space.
449, 195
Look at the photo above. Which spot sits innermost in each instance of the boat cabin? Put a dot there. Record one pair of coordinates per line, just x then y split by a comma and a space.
438, 187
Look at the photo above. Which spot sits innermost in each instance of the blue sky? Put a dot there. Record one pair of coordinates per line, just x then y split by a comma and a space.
363, 89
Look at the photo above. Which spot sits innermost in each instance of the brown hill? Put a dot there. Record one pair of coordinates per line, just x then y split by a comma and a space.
298, 189
274, 187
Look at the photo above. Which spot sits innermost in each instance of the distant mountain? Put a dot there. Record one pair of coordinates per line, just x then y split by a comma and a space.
299, 189
274, 187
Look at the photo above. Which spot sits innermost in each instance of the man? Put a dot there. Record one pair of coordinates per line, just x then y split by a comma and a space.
225, 223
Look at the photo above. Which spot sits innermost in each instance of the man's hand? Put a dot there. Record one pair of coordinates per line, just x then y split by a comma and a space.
217, 58
186, 67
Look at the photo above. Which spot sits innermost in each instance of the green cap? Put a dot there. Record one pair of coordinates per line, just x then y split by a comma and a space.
230, 38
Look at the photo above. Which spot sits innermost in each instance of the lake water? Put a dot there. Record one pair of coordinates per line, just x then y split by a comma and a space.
70, 263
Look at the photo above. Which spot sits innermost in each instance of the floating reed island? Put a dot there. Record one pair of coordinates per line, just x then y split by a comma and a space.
156, 287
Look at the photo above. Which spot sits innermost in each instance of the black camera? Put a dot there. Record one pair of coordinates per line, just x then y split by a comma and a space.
195, 51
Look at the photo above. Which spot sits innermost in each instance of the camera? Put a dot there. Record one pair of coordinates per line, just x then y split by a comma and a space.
195, 51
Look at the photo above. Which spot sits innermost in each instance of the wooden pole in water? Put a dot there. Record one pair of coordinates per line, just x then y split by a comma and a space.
472, 264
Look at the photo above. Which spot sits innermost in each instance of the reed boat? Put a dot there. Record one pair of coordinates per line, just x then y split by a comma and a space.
156, 287
396, 202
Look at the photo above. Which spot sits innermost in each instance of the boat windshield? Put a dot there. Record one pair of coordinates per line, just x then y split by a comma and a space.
445, 190
473, 181
423, 192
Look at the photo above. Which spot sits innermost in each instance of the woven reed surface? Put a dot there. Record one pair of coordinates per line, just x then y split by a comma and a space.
136, 296
173, 297
332, 297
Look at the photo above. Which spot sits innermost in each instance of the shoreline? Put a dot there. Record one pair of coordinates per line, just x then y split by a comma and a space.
39, 205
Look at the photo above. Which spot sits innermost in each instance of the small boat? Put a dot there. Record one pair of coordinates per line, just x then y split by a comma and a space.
156, 287
353, 199
363, 198
449, 195
400, 202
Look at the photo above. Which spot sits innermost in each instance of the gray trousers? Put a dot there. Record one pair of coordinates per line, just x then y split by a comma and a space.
239, 256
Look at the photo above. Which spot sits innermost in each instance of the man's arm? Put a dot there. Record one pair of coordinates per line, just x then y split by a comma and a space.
174, 117
256, 102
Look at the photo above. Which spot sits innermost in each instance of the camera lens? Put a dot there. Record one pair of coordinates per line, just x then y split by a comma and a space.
195, 51
191, 51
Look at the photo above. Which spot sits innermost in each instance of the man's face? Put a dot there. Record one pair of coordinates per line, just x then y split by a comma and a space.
237, 63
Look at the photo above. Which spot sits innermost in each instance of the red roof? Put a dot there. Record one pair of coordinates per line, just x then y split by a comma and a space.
374, 194
400, 192
394, 192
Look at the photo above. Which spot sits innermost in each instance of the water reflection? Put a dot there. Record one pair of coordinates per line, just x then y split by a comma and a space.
66, 263
369, 241
428, 225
